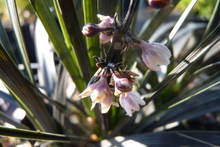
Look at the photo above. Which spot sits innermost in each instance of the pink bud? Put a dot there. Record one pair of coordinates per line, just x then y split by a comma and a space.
90, 30
159, 4
122, 84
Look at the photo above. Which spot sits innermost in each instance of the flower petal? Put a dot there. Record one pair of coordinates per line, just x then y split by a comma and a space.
122, 101
87, 92
104, 38
162, 49
158, 57
128, 104
105, 107
105, 21
150, 62
136, 97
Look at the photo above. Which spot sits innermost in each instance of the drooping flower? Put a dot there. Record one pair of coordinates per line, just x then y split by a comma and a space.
100, 92
159, 4
105, 21
154, 54
131, 101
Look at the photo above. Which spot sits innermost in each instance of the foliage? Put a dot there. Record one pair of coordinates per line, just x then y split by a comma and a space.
184, 93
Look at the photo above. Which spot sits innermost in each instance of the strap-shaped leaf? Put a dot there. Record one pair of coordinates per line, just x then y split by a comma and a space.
5, 42
166, 139
42, 136
19, 38
92, 43
73, 28
9, 120
20, 87
185, 64
66, 55
198, 101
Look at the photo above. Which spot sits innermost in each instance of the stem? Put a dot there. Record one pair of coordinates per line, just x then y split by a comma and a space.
130, 14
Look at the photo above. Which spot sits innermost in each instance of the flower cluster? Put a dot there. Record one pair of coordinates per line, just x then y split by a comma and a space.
110, 81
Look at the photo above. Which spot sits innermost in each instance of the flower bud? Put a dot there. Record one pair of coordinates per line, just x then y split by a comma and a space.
90, 30
122, 84
159, 4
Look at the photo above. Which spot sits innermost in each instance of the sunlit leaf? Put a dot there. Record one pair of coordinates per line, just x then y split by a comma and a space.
25, 96
42, 136
19, 37
177, 138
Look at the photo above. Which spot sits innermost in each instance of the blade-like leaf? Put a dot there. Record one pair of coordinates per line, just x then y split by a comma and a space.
180, 22
92, 43
106, 7
176, 72
185, 64
42, 136
5, 42
187, 106
178, 138
67, 56
9, 120
22, 91
214, 20
19, 37
74, 31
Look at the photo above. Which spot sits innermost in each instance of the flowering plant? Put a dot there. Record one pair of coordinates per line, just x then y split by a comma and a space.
146, 76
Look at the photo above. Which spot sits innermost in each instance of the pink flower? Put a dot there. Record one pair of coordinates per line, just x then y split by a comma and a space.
131, 101
155, 54
100, 92
105, 21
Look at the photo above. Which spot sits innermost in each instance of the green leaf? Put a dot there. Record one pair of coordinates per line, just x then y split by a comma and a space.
90, 16
75, 35
214, 20
12, 8
66, 55
106, 7
22, 90
42, 136
5, 42
9, 120
180, 22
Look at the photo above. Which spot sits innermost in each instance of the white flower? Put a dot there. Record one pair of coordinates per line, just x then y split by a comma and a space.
154, 54
131, 101
105, 21
100, 92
